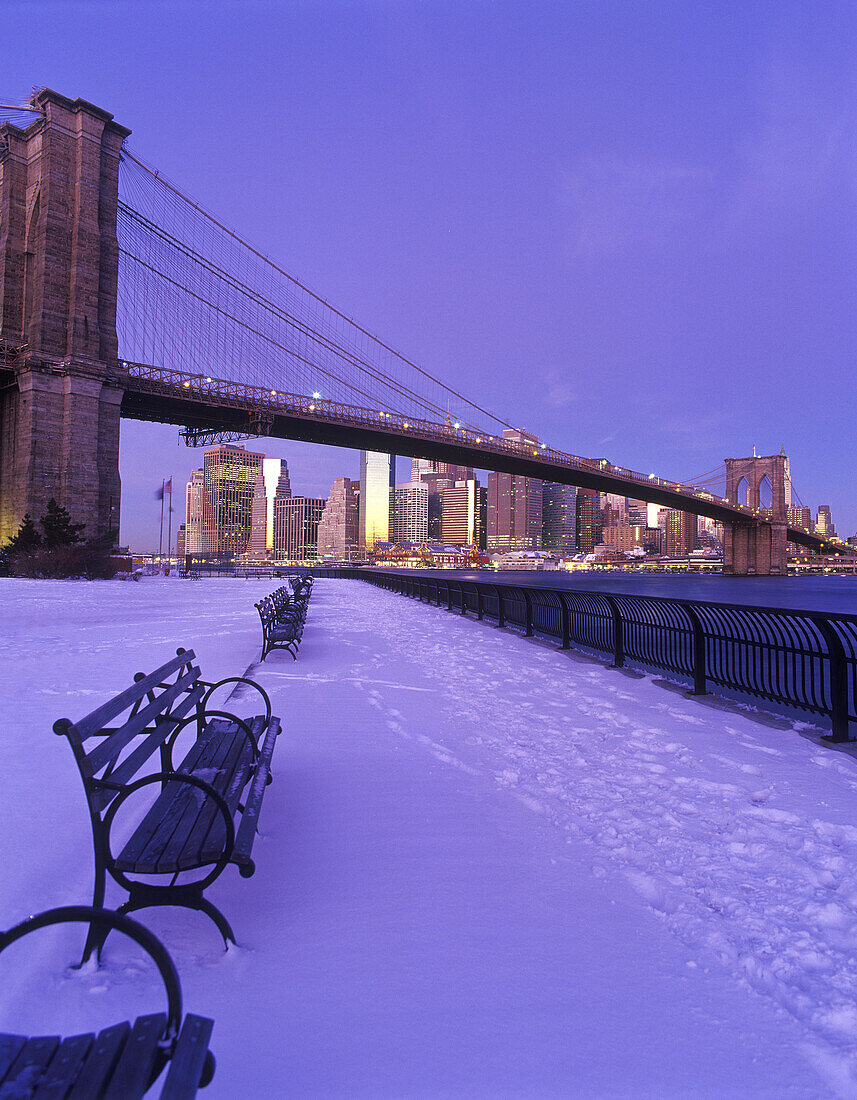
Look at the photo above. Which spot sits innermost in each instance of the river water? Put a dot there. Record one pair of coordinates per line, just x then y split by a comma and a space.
833, 594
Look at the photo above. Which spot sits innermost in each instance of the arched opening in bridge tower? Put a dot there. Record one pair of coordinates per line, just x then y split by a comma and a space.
742, 491
766, 493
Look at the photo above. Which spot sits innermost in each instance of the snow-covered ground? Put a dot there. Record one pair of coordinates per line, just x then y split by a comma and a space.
487, 868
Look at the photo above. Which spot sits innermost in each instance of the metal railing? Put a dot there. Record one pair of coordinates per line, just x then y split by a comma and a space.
804, 660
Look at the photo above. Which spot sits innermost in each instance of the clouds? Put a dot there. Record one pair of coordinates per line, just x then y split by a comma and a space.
782, 151
612, 203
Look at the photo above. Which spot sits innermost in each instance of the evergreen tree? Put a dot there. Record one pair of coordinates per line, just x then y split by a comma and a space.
58, 528
26, 539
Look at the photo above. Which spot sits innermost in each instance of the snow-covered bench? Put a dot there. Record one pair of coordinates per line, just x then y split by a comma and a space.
207, 811
124, 1060
283, 615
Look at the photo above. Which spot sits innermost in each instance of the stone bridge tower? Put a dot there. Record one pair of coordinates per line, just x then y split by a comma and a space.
60, 383
757, 549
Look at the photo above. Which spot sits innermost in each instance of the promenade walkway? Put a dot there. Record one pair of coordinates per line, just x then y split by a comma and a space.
492, 869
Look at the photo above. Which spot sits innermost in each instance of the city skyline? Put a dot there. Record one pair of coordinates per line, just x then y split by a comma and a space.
241, 502
642, 248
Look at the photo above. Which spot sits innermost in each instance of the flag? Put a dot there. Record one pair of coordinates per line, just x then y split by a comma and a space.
166, 489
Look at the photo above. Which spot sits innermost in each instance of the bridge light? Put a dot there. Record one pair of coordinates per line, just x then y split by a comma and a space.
208, 379
316, 394
651, 477
187, 385
312, 408
405, 424
544, 445
273, 393
457, 424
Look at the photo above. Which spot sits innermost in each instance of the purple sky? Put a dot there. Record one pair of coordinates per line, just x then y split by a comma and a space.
630, 228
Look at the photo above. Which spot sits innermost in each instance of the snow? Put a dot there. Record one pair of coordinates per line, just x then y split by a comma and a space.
486, 867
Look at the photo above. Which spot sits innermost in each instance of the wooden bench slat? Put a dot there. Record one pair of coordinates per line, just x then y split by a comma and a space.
136, 1063
25, 1071
64, 1067
10, 1048
160, 843
100, 1062
178, 840
188, 1058
202, 835
110, 748
99, 718
134, 760
136, 843
250, 818
133, 1074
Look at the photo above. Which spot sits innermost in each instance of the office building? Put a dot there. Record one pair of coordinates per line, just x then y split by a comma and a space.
824, 522
272, 482
423, 466
680, 530
410, 512
559, 516
229, 479
463, 514
337, 529
296, 521
193, 513
588, 520
377, 481
624, 537
636, 512
514, 514
800, 518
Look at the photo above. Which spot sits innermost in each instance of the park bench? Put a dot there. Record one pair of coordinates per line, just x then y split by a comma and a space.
283, 615
206, 813
281, 628
120, 1062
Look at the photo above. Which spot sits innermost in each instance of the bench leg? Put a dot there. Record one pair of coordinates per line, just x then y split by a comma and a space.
95, 937
144, 897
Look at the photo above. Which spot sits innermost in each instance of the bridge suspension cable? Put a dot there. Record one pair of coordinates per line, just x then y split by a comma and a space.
196, 297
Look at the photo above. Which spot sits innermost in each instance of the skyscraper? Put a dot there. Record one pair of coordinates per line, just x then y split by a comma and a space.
272, 482
423, 466
229, 478
588, 520
559, 516
637, 512
337, 529
410, 512
680, 529
463, 508
824, 522
514, 511
377, 480
193, 513
296, 521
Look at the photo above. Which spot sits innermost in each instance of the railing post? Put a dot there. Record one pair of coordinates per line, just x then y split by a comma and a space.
838, 681
448, 596
463, 601
618, 635
501, 613
528, 600
480, 610
698, 652
566, 623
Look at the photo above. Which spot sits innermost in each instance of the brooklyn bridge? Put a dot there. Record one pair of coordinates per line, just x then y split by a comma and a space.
122, 298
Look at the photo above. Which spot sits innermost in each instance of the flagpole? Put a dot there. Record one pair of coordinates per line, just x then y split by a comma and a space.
170, 520
161, 538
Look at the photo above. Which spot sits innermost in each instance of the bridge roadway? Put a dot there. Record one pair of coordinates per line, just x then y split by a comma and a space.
199, 401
